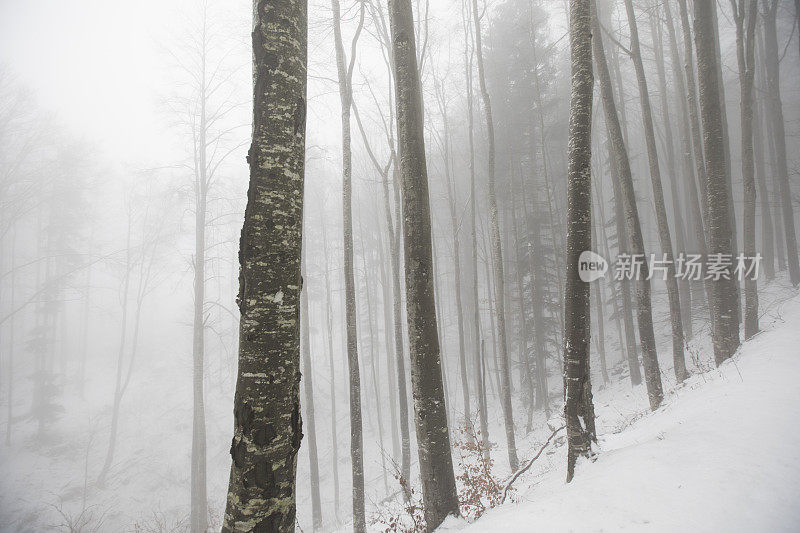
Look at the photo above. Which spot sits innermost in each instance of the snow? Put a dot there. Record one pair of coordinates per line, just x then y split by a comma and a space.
719, 455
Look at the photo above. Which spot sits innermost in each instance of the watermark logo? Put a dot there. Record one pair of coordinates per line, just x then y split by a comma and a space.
686, 267
591, 266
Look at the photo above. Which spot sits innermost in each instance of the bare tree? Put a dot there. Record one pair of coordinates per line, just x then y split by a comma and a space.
644, 313
745, 13
497, 251
658, 198
775, 108
724, 304
345, 72
436, 465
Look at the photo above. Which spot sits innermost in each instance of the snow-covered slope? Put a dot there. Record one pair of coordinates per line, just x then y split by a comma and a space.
721, 454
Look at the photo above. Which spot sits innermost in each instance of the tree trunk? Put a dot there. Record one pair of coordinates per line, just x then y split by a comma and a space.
332, 369
691, 95
497, 253
436, 466
775, 107
308, 408
724, 304
478, 348
267, 424
345, 72
454, 225
767, 227
746, 11
579, 236
198, 518
644, 312
658, 198
677, 213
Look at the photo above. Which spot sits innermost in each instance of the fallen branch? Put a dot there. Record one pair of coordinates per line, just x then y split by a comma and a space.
528, 465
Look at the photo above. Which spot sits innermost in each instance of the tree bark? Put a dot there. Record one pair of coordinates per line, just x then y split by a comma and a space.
579, 237
724, 304
436, 466
267, 424
745, 13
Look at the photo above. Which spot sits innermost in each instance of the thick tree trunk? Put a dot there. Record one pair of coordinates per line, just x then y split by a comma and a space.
644, 312
579, 237
724, 304
436, 466
775, 107
308, 408
267, 424
497, 253
658, 198
745, 13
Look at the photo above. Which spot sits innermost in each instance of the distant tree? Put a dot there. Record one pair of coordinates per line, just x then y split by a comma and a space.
745, 13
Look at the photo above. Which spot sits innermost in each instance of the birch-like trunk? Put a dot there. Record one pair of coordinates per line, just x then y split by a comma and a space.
267, 424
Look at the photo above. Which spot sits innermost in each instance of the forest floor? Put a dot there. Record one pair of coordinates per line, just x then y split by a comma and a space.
720, 454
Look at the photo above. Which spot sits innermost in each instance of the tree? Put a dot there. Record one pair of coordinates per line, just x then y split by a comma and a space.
747, 11
578, 393
267, 424
308, 408
644, 312
724, 304
775, 110
436, 465
345, 72
497, 251
658, 198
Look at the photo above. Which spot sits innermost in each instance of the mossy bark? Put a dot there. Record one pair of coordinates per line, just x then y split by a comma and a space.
267, 425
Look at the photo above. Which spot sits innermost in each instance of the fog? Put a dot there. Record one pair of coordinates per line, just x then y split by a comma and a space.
121, 122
